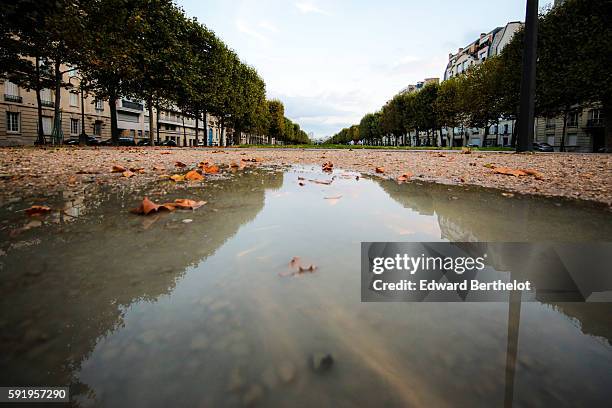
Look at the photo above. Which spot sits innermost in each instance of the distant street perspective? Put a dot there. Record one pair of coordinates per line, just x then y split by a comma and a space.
305, 203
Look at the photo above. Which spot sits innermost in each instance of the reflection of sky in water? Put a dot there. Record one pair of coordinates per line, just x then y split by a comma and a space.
229, 328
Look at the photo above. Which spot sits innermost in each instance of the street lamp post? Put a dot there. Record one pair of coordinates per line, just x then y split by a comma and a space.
528, 82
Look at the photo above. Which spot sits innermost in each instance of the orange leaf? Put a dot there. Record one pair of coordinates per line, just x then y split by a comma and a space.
177, 177
147, 207
380, 169
509, 172
186, 203
328, 166
37, 210
128, 174
534, 173
405, 177
118, 169
211, 169
193, 176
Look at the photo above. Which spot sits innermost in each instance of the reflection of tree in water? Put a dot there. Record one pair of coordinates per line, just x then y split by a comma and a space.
480, 215
65, 285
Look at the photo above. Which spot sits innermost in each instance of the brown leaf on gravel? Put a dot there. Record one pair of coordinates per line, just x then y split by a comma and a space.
147, 207
212, 169
158, 168
139, 170
534, 173
380, 170
118, 169
36, 210
180, 164
87, 172
489, 165
328, 166
509, 172
405, 177
128, 174
177, 177
466, 150
193, 175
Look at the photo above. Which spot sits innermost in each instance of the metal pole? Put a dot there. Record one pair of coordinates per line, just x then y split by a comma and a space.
528, 82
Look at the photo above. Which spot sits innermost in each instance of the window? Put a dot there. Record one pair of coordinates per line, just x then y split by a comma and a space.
74, 126
595, 114
46, 97
98, 128
572, 139
132, 133
550, 140
99, 104
74, 99
572, 120
140, 133
47, 125
505, 129
550, 123
12, 122
11, 89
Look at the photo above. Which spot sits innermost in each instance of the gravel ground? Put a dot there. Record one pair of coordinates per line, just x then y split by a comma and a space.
28, 172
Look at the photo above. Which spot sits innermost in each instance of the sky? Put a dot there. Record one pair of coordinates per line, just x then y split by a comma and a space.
331, 62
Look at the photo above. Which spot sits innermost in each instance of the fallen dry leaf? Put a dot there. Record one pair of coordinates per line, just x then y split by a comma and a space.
147, 207
37, 210
380, 170
185, 203
118, 169
466, 150
212, 169
509, 172
180, 164
177, 177
328, 166
128, 174
405, 177
534, 173
193, 175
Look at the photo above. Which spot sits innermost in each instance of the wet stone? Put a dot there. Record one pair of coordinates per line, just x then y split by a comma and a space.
199, 342
321, 362
286, 371
252, 395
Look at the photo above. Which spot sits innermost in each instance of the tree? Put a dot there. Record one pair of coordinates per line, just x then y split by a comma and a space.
447, 106
276, 122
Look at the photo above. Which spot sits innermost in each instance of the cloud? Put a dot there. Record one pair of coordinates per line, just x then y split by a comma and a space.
307, 7
250, 31
268, 26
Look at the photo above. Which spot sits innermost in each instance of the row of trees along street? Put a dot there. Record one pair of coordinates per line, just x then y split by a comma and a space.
573, 72
142, 49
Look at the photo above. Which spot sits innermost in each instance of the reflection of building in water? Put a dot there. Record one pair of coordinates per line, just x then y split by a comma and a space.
468, 214
65, 286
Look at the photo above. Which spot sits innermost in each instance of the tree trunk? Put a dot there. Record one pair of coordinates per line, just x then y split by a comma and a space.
206, 128
607, 108
157, 123
222, 136
197, 126
486, 136
150, 109
58, 98
513, 135
184, 132
565, 113
40, 139
112, 104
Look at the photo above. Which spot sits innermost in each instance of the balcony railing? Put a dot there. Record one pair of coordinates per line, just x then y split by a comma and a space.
13, 98
132, 105
595, 123
49, 104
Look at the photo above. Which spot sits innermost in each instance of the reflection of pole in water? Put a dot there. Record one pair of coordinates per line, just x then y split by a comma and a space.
514, 318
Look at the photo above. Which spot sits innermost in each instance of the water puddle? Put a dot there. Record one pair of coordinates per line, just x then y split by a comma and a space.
196, 308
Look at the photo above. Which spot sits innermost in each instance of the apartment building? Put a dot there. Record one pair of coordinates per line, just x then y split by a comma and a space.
419, 85
486, 46
584, 130
19, 115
